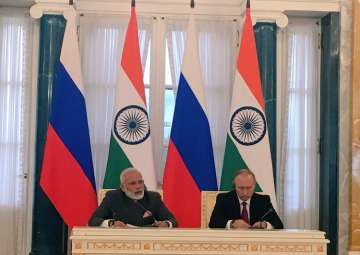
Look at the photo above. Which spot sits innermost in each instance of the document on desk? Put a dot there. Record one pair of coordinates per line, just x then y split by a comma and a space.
145, 226
131, 226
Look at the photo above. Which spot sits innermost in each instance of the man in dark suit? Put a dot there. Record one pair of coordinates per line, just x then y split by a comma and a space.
242, 208
132, 205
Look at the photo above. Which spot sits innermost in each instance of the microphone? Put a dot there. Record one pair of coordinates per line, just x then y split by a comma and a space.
267, 212
262, 219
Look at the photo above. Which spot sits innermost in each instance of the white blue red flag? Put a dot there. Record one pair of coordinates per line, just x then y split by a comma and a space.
190, 166
67, 175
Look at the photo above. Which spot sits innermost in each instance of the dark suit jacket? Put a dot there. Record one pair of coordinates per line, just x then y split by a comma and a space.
116, 205
227, 208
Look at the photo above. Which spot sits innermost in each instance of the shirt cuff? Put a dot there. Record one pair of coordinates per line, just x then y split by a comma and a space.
169, 223
105, 224
268, 225
228, 224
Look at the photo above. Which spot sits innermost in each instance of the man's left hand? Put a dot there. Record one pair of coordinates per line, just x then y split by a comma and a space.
260, 225
161, 224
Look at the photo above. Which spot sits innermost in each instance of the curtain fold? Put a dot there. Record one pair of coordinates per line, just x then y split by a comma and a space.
175, 41
299, 167
15, 83
101, 43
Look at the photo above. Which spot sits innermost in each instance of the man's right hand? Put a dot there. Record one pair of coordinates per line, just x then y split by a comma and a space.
239, 224
118, 224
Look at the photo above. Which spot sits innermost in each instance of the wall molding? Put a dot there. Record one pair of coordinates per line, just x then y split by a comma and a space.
262, 10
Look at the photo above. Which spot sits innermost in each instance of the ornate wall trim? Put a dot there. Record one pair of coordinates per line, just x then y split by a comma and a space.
262, 10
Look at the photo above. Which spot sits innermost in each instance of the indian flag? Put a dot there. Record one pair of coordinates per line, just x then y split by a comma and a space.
247, 142
130, 144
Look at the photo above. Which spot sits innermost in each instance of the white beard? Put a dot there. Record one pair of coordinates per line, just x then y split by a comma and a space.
133, 195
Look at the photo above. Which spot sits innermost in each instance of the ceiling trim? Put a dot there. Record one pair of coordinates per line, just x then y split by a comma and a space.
261, 10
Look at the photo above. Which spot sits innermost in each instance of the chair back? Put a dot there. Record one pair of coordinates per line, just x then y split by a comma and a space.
101, 194
208, 200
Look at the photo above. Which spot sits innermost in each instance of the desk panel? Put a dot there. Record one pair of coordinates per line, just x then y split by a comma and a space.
196, 241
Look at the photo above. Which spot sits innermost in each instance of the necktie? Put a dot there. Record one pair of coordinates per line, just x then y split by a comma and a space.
244, 212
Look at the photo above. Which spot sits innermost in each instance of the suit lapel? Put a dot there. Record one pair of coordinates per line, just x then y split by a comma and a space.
131, 212
236, 213
254, 209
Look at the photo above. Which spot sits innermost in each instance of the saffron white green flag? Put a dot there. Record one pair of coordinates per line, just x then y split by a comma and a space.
247, 142
130, 144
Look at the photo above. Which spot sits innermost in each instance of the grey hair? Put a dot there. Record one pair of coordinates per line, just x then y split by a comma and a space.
244, 171
127, 170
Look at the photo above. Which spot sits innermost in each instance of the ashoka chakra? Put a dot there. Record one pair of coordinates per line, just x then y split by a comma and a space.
247, 125
131, 125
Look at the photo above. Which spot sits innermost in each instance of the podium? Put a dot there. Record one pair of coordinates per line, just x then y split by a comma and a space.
96, 240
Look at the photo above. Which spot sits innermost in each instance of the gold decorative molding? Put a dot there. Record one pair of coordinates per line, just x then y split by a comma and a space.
196, 241
200, 246
355, 128
293, 248
147, 246
204, 247
114, 245
320, 248
77, 245
254, 247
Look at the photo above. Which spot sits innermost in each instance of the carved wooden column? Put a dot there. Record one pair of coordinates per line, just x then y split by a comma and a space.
355, 127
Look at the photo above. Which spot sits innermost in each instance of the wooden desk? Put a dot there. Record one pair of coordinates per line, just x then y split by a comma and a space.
89, 240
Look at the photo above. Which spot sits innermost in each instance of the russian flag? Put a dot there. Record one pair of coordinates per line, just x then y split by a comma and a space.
190, 166
67, 175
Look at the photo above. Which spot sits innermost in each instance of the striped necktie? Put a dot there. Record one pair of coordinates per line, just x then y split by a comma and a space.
244, 212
